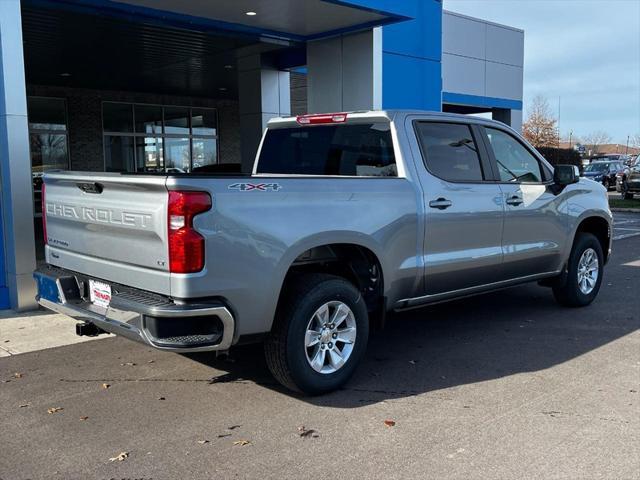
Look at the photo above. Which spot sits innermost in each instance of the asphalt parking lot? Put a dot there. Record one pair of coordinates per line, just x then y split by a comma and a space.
505, 385
626, 225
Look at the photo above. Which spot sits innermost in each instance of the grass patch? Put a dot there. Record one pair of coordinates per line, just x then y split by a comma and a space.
619, 203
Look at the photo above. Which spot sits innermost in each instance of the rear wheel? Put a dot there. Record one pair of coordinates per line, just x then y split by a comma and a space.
625, 194
319, 335
584, 273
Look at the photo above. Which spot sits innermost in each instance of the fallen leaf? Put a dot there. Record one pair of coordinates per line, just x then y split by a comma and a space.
222, 435
151, 361
202, 442
306, 433
412, 362
24, 405
161, 398
17, 375
390, 423
105, 385
242, 443
83, 418
233, 427
128, 364
54, 409
120, 458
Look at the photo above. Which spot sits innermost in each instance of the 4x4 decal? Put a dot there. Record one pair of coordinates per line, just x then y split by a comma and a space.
261, 187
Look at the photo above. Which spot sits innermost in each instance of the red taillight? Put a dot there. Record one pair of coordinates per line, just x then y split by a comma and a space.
44, 214
186, 246
321, 118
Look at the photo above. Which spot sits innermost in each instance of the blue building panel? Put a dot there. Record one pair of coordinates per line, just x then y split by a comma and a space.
409, 82
403, 8
419, 37
412, 58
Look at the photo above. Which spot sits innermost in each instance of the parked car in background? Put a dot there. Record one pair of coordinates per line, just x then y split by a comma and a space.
610, 157
628, 181
632, 160
604, 172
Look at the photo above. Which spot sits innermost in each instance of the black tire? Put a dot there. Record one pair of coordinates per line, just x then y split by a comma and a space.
569, 294
625, 194
284, 348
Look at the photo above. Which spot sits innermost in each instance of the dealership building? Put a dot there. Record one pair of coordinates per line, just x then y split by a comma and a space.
171, 85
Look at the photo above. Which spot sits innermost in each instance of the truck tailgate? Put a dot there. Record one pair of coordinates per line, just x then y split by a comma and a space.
109, 226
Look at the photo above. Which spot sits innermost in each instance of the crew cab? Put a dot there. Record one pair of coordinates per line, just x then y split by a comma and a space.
345, 217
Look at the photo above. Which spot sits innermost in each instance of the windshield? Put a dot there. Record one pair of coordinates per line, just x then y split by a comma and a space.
596, 167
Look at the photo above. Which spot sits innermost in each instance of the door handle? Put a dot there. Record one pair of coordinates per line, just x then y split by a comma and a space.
440, 203
515, 201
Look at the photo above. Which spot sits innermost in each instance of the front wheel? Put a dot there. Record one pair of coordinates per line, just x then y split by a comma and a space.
584, 273
319, 335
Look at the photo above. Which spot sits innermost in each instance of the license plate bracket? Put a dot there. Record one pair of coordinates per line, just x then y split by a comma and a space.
99, 293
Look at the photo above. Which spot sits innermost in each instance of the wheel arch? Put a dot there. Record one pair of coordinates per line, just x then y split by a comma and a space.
356, 258
598, 226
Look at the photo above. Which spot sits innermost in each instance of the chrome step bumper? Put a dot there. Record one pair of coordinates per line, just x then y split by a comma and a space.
130, 316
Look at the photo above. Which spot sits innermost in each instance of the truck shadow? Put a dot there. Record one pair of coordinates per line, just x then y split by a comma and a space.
435, 348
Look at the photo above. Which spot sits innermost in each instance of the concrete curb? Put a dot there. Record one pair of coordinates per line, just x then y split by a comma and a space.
626, 210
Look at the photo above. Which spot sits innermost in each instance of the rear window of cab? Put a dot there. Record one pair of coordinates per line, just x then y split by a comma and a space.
356, 150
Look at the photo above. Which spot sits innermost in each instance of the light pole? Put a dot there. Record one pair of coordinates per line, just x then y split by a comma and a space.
626, 152
570, 135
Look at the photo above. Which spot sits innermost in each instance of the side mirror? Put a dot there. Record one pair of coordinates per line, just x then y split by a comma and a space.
565, 175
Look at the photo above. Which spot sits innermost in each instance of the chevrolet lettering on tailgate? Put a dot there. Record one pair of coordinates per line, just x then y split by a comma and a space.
99, 215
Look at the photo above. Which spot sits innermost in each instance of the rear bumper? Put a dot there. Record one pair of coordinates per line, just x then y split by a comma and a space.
147, 318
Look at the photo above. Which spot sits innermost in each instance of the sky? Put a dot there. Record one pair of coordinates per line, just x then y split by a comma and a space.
586, 52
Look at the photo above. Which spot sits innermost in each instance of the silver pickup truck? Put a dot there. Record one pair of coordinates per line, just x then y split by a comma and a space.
345, 217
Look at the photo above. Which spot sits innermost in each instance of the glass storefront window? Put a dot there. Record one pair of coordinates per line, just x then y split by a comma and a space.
149, 154
176, 120
47, 113
119, 154
48, 143
204, 152
117, 117
177, 155
148, 119
156, 138
203, 121
48, 152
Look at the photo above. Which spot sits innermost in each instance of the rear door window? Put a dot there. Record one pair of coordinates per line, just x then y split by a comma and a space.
450, 151
362, 150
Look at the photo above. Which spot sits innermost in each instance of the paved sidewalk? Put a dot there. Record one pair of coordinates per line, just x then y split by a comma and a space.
31, 331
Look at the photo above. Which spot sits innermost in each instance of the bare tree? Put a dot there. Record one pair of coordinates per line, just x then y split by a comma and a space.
541, 127
595, 140
634, 141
